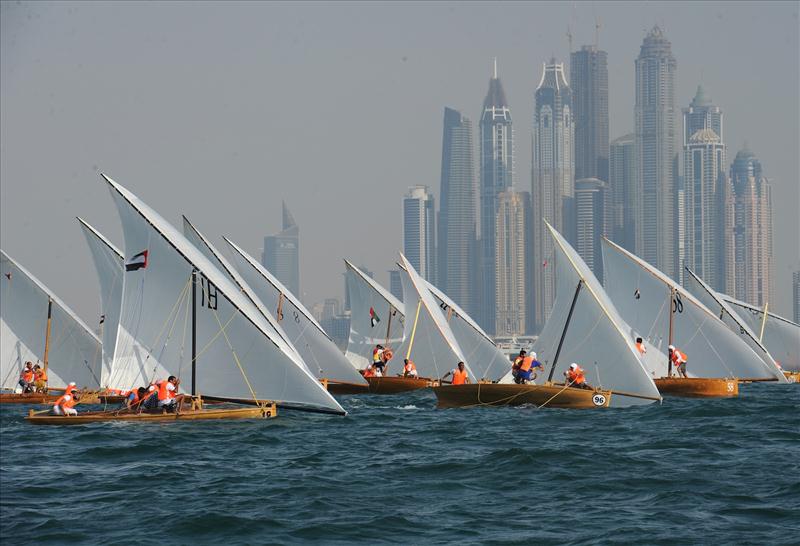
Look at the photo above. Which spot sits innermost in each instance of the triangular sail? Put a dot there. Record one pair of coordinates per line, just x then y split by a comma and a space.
171, 290
711, 299
596, 336
644, 298
427, 338
75, 352
317, 349
109, 263
781, 336
376, 317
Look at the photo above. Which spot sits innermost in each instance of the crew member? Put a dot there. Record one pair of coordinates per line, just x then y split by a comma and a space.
167, 392
26, 377
517, 361
378, 363
640, 346
576, 377
40, 378
459, 375
679, 360
369, 371
65, 405
525, 371
409, 368
72, 387
135, 397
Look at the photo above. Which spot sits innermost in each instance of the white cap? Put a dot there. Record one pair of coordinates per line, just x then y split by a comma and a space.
671, 347
72, 384
533, 355
573, 366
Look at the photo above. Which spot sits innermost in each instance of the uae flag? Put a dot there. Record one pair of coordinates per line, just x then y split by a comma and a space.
373, 317
137, 262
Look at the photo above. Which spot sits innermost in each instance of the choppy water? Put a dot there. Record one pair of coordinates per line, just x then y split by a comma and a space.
396, 470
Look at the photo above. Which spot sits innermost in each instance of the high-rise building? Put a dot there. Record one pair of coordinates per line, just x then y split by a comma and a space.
591, 197
701, 114
796, 295
281, 255
703, 178
589, 84
513, 263
656, 158
419, 231
622, 186
749, 225
496, 175
457, 245
552, 180
395, 284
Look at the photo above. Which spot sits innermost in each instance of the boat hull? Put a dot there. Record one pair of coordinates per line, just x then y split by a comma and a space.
258, 412
792, 377
497, 394
395, 385
342, 387
698, 387
29, 398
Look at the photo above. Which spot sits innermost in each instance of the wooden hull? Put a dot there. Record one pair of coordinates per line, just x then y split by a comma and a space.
395, 385
496, 394
30, 398
698, 387
257, 412
341, 387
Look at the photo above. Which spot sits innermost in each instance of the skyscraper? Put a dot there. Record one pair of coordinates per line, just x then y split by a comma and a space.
419, 231
701, 114
591, 195
281, 254
589, 84
622, 185
703, 175
750, 227
513, 263
552, 180
395, 284
457, 246
656, 226
497, 174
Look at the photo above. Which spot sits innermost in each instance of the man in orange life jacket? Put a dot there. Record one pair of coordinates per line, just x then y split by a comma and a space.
377, 360
27, 377
65, 405
409, 368
526, 368
40, 378
640, 346
134, 398
576, 377
459, 375
679, 360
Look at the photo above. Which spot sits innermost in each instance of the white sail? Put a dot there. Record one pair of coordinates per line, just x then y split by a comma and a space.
643, 296
781, 336
109, 263
317, 349
376, 317
175, 302
735, 324
75, 352
596, 338
427, 339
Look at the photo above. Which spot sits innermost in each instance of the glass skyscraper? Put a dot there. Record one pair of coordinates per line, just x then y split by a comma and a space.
281, 255
419, 231
588, 70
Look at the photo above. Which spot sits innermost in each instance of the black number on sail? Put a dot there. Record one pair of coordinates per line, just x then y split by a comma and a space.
444, 306
296, 317
208, 294
677, 304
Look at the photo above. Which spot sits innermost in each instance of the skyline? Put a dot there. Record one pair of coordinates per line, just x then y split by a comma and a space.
56, 138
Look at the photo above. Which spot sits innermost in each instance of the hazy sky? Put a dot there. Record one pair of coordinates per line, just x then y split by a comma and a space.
221, 111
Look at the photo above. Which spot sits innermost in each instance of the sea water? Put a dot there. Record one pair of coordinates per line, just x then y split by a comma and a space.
397, 470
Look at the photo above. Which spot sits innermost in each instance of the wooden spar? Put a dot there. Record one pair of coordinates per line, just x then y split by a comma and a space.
564, 332
388, 326
194, 330
669, 335
763, 322
413, 330
47, 333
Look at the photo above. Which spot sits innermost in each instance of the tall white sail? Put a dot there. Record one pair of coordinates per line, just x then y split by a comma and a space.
176, 303
75, 352
317, 349
376, 317
781, 336
594, 335
735, 324
109, 263
427, 338
643, 295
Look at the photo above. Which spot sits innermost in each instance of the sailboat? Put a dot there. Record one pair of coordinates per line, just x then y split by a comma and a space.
665, 313
779, 335
319, 352
583, 327
181, 316
712, 300
36, 326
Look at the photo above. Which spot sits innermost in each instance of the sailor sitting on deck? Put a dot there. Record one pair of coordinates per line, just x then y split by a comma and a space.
409, 368
679, 360
26, 377
459, 375
65, 404
576, 377
526, 368
135, 397
40, 378
167, 392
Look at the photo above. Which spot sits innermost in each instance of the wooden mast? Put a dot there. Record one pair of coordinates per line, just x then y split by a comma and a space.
47, 332
672, 308
564, 332
194, 330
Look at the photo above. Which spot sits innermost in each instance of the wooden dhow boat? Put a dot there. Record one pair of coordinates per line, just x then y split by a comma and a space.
551, 395
698, 387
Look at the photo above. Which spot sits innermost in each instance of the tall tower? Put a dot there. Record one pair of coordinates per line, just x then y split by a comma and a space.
552, 180
457, 247
701, 114
656, 226
622, 185
513, 263
419, 231
497, 174
590, 211
281, 255
589, 84
703, 175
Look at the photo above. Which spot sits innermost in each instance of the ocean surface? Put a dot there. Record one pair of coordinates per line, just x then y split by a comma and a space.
398, 471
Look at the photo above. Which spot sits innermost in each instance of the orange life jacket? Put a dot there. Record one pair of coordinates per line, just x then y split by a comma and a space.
27, 375
410, 366
576, 377
377, 355
41, 375
69, 389
369, 372
527, 364
517, 362
65, 401
163, 392
135, 394
459, 377
679, 357
640, 347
